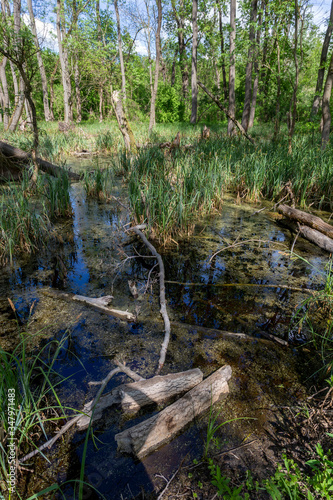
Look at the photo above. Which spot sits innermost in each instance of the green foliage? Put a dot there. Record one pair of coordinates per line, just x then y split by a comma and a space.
167, 104
98, 183
222, 484
104, 141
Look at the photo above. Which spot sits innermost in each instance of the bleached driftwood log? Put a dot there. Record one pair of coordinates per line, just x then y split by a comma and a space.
147, 436
133, 396
97, 303
307, 219
310, 234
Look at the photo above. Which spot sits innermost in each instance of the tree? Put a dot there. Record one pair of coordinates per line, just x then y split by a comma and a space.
322, 64
63, 57
326, 106
232, 68
249, 65
47, 113
152, 119
194, 85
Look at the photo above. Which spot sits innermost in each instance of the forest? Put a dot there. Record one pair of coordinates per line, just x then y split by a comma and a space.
166, 240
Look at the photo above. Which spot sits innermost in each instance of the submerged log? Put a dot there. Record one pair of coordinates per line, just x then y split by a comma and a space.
307, 219
134, 396
147, 436
15, 160
100, 304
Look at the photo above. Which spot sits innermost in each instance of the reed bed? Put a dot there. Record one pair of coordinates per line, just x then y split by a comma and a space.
172, 190
25, 215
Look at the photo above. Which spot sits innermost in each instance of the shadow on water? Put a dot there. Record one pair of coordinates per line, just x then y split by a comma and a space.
246, 288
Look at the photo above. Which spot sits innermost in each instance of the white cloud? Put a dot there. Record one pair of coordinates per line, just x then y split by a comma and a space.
46, 33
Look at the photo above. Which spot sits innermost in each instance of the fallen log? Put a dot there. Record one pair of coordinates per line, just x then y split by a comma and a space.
134, 396
309, 234
100, 304
307, 219
16, 159
149, 435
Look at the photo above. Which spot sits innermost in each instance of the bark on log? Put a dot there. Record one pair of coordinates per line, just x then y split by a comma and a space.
310, 234
134, 396
307, 219
16, 159
147, 436
97, 303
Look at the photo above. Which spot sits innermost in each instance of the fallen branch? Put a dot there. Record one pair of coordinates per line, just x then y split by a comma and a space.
100, 304
163, 310
229, 115
88, 407
16, 158
149, 435
134, 396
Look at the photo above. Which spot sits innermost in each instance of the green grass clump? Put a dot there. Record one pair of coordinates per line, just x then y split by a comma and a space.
23, 228
56, 192
28, 397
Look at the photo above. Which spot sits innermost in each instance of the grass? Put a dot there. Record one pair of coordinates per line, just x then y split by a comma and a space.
23, 228
28, 396
98, 183
25, 215
314, 318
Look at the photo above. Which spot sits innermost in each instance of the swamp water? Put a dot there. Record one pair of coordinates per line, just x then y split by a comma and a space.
249, 288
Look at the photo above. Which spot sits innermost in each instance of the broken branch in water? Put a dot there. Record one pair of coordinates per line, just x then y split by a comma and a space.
88, 409
163, 310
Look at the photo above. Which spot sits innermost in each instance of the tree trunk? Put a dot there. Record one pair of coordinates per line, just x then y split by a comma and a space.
278, 93
321, 70
123, 124
150, 434
232, 68
173, 70
6, 101
224, 77
77, 92
52, 89
293, 103
180, 20
19, 159
249, 65
41, 67
256, 73
63, 57
326, 106
194, 85
121, 58
136, 395
152, 119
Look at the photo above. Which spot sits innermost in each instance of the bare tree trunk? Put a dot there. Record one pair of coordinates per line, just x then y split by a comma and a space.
232, 69
173, 70
77, 92
224, 77
293, 104
249, 65
42, 72
256, 73
121, 58
278, 93
321, 70
52, 89
194, 85
180, 20
152, 120
123, 124
6, 101
326, 106
63, 56
100, 93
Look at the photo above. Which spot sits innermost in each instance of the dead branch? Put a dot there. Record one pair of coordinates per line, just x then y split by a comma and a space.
236, 122
163, 310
